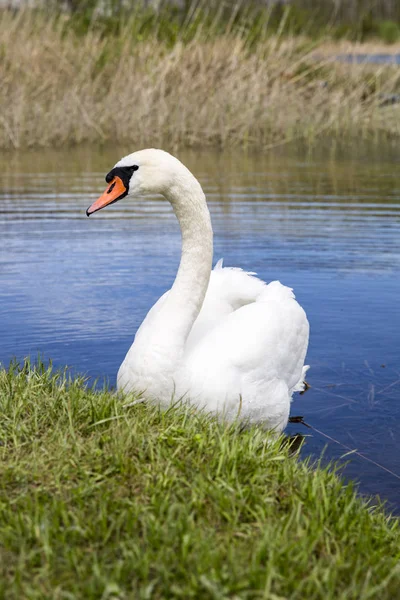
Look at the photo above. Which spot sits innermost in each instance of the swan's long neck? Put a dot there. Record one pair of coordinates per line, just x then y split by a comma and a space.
173, 322
190, 286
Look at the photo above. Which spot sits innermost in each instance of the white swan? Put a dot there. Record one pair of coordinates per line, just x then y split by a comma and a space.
221, 338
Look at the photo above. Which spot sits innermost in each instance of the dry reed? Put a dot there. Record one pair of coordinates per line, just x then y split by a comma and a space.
59, 87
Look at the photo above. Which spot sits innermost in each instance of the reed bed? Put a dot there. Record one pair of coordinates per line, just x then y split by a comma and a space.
61, 86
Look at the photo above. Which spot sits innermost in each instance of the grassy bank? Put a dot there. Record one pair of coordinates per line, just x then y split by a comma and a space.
199, 85
101, 501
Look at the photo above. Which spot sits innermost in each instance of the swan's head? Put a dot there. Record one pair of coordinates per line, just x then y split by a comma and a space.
139, 174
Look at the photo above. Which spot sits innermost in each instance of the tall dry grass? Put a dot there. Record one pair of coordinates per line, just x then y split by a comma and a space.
59, 87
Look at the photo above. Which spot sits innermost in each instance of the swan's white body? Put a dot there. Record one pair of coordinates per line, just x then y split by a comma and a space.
222, 339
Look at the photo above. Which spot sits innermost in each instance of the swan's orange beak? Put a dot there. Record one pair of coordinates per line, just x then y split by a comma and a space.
115, 191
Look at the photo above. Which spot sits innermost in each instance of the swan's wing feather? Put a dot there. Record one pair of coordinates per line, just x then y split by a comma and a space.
236, 286
269, 336
228, 290
256, 352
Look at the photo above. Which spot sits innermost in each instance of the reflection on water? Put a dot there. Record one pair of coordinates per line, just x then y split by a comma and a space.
76, 289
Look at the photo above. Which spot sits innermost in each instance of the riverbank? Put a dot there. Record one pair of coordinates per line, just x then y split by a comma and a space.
98, 500
64, 87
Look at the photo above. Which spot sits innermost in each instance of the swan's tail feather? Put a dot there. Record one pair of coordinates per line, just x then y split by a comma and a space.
301, 385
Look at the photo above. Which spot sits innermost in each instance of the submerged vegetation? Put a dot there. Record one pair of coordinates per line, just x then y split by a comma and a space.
103, 500
172, 78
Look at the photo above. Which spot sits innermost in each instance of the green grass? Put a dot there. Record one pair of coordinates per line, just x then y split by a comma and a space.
169, 21
102, 501
389, 31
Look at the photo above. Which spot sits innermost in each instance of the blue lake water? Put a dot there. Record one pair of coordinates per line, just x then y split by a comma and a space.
373, 58
76, 289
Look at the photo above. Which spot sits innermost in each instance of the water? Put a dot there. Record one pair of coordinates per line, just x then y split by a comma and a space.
76, 289
372, 58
